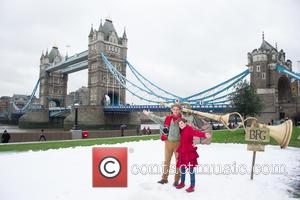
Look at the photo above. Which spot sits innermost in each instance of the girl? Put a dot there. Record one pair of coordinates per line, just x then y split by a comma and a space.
187, 152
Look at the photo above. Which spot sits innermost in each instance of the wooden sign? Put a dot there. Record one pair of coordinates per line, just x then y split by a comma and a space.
257, 135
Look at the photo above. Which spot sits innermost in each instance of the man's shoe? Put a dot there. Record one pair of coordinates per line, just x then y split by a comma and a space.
181, 185
190, 189
162, 181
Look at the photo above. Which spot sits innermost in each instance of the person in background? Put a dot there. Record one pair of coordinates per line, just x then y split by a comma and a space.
42, 136
148, 131
122, 128
5, 137
144, 131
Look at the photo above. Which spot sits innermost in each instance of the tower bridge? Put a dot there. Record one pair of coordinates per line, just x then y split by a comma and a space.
108, 85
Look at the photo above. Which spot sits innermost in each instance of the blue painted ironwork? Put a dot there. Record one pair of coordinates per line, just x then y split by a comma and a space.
29, 101
245, 73
221, 97
122, 80
138, 75
158, 108
284, 70
58, 111
238, 77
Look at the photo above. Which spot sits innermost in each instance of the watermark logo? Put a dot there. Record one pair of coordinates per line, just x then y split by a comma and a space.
110, 167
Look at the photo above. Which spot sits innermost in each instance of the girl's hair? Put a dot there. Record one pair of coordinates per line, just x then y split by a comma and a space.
182, 120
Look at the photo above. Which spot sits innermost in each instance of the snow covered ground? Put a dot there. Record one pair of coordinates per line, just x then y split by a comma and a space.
67, 174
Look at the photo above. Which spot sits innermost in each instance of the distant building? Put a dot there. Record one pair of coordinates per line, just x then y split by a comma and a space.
80, 96
5, 104
20, 99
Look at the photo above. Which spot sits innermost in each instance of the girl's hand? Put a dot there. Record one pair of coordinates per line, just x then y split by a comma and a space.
146, 112
207, 135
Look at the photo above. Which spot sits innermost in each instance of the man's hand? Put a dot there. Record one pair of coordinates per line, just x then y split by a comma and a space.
207, 135
146, 112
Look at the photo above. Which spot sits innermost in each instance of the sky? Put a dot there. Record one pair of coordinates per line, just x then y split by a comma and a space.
183, 46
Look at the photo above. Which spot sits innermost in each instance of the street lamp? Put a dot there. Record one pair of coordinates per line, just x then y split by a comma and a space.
76, 106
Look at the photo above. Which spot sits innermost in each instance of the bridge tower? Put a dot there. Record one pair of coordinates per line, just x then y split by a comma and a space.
101, 83
53, 85
273, 87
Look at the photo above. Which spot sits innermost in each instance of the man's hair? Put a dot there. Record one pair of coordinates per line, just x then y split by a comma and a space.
176, 105
182, 120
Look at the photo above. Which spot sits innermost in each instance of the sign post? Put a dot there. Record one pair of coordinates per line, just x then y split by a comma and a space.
255, 137
253, 163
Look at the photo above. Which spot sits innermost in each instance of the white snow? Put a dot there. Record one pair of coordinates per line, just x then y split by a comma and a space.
67, 174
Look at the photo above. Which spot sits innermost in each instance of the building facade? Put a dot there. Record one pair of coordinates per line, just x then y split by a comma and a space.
277, 91
101, 83
53, 85
5, 104
80, 96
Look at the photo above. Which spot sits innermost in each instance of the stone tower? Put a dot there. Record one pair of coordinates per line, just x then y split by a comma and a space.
53, 86
273, 87
101, 83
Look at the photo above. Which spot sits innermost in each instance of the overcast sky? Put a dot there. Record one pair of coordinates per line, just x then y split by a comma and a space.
183, 46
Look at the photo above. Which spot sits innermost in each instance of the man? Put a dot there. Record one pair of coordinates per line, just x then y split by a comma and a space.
172, 142
144, 131
42, 136
123, 127
148, 131
5, 137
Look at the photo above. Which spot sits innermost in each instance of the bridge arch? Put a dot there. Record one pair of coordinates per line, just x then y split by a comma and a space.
54, 103
111, 99
284, 89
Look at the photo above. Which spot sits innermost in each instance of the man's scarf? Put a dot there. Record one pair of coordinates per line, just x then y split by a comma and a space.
170, 118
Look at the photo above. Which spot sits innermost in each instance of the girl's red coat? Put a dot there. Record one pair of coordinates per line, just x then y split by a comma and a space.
187, 152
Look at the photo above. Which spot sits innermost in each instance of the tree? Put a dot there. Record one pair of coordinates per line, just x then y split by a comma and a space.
245, 100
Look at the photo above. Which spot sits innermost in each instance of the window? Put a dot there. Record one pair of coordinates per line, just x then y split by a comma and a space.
260, 57
56, 80
93, 94
251, 68
94, 66
263, 75
255, 58
93, 79
257, 68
